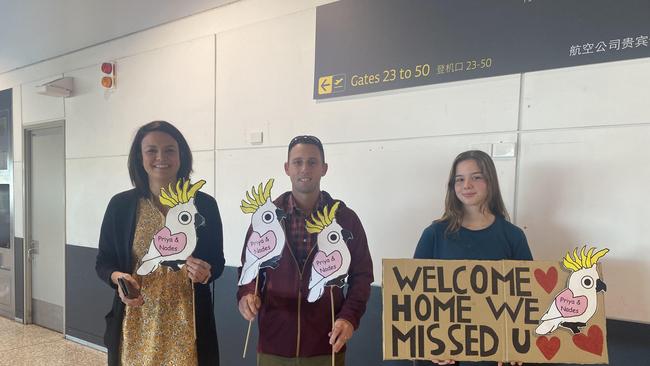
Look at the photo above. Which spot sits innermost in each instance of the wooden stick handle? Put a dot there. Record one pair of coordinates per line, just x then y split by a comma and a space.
250, 322
193, 308
248, 334
332, 303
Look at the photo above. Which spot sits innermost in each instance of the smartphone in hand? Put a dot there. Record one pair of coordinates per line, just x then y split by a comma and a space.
127, 289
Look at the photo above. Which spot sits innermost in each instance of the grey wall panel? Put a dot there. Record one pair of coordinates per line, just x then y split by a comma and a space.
231, 327
19, 280
87, 298
628, 342
366, 344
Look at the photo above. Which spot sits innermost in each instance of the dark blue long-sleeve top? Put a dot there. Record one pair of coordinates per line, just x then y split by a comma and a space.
501, 240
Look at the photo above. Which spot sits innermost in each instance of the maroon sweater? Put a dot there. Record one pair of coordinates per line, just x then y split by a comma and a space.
289, 326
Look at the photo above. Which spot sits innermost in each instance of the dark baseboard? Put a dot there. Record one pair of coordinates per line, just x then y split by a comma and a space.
87, 298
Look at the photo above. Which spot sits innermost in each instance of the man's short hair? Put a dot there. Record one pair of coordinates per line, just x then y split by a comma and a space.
309, 140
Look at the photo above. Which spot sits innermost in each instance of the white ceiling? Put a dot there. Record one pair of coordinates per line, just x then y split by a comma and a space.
36, 30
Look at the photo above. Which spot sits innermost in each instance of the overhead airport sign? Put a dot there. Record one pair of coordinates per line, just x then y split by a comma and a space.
365, 46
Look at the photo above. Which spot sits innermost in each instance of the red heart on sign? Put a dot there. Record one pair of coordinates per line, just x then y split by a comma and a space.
547, 279
549, 347
592, 342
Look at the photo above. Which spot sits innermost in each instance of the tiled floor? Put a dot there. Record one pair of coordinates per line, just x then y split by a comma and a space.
27, 345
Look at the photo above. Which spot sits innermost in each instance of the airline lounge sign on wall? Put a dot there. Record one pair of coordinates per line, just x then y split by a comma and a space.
365, 46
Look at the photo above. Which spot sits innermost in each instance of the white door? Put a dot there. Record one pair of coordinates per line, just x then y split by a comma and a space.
47, 223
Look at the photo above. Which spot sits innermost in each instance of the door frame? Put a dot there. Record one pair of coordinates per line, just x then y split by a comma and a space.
27, 199
9, 179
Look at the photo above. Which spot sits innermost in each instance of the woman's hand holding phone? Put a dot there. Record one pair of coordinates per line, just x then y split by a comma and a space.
127, 288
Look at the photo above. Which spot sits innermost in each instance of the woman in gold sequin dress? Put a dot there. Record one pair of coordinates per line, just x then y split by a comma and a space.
172, 321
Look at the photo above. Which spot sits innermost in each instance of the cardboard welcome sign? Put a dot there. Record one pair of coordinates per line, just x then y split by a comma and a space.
529, 311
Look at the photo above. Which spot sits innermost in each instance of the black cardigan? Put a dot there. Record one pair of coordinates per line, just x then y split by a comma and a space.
115, 248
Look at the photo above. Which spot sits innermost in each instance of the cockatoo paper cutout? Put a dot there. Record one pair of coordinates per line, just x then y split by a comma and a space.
332, 261
575, 305
176, 241
266, 242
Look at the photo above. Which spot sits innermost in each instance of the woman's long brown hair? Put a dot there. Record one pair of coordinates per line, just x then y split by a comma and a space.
493, 202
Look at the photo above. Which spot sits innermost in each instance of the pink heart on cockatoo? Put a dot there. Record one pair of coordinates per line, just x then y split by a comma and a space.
325, 264
261, 245
570, 305
167, 243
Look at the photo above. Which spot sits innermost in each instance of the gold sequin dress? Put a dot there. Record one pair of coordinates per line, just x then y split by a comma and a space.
160, 332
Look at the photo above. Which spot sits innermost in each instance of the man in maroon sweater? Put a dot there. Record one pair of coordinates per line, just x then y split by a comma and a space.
290, 327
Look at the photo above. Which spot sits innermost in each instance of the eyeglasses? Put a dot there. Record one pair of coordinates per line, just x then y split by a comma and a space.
306, 139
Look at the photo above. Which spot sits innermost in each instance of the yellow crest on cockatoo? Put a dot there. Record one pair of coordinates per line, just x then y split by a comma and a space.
583, 260
251, 204
181, 193
323, 220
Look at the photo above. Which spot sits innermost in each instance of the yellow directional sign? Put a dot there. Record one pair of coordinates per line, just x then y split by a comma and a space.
325, 85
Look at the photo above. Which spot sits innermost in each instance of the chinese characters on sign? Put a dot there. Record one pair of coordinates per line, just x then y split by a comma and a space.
612, 45
484, 63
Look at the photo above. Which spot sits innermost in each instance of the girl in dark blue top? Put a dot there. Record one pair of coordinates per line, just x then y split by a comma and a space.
475, 223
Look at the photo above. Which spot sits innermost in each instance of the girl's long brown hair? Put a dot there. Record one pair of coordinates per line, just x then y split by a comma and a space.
493, 202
